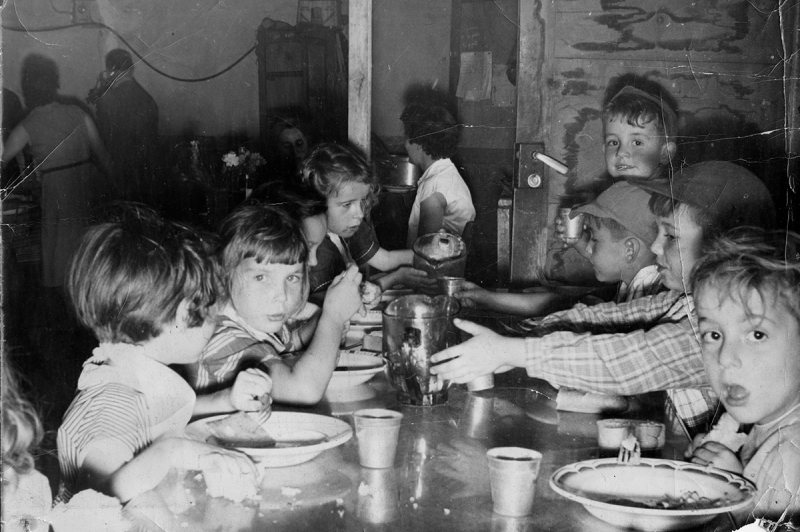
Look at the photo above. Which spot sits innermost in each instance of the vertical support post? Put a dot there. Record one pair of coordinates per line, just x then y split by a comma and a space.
359, 87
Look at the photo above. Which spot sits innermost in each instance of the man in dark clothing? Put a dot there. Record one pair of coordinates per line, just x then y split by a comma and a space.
127, 119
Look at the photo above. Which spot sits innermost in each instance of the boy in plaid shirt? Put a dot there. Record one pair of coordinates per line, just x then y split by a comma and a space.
649, 343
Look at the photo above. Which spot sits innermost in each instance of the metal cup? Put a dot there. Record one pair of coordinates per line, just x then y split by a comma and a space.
377, 431
573, 227
512, 473
481, 383
476, 419
448, 286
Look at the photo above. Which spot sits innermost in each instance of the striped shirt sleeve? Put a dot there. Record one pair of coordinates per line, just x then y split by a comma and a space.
112, 414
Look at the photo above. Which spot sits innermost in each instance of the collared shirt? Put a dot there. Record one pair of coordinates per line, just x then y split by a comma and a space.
646, 345
234, 347
771, 458
646, 282
442, 176
125, 401
361, 247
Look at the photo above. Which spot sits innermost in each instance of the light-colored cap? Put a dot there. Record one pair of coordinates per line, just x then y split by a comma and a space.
627, 205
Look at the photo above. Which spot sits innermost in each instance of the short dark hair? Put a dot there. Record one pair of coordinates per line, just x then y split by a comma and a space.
40, 80
664, 206
330, 166
130, 274
298, 199
432, 127
119, 60
750, 259
639, 108
266, 234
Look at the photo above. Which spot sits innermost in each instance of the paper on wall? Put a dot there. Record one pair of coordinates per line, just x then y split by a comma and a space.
475, 76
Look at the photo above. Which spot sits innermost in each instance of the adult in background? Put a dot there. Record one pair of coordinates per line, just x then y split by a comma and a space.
443, 200
68, 156
127, 118
66, 148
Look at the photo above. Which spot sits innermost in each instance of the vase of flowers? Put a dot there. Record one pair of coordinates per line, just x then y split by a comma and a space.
240, 167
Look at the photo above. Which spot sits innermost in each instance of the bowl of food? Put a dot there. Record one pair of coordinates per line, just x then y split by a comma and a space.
654, 494
286, 438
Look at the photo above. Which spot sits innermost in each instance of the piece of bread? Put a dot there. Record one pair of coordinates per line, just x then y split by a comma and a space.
572, 400
238, 430
89, 511
370, 294
726, 432
442, 246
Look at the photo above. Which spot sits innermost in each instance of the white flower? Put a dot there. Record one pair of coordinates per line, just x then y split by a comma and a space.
230, 159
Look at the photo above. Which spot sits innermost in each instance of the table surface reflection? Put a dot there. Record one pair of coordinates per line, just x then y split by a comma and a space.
440, 480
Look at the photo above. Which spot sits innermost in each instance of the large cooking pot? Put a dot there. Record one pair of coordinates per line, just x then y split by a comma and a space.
398, 171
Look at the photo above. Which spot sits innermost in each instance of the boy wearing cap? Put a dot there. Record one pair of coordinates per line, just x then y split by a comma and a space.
621, 229
650, 343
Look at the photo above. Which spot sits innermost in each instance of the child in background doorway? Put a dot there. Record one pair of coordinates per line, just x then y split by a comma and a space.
344, 178
263, 257
147, 289
639, 132
648, 344
443, 200
621, 230
747, 291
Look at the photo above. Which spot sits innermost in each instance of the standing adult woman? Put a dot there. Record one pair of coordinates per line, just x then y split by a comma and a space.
66, 147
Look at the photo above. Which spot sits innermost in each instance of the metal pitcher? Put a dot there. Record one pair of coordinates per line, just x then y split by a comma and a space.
415, 327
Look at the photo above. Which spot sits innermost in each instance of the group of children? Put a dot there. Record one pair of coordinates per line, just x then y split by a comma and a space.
703, 313
718, 323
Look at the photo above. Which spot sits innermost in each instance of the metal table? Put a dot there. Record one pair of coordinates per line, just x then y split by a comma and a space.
440, 480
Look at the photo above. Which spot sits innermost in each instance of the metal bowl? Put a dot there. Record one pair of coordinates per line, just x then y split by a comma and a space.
398, 172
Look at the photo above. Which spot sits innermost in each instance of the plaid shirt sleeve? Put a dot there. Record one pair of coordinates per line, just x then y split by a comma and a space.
653, 347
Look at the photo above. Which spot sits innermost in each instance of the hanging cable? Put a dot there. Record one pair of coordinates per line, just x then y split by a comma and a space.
100, 25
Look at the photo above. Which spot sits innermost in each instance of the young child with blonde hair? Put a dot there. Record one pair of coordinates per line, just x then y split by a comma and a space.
148, 289
341, 175
747, 291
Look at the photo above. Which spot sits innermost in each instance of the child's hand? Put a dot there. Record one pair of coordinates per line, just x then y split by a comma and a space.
717, 455
471, 295
250, 391
344, 296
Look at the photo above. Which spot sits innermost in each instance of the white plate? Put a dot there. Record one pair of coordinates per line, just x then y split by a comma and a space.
282, 426
595, 482
363, 368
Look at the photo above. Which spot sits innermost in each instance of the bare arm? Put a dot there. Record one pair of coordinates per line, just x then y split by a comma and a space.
17, 140
431, 214
518, 304
386, 260
305, 381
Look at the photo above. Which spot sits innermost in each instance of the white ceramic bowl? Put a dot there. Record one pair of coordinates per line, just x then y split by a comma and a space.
287, 426
601, 485
361, 369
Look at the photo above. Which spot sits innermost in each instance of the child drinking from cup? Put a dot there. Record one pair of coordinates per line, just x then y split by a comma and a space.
264, 260
146, 287
344, 178
621, 230
747, 295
